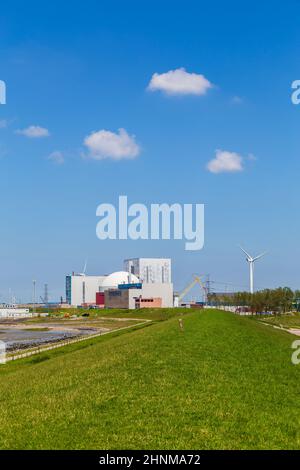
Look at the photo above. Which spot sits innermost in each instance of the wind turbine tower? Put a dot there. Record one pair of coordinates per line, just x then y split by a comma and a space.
251, 260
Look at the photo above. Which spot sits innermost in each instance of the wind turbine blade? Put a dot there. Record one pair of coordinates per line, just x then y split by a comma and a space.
245, 252
260, 256
84, 268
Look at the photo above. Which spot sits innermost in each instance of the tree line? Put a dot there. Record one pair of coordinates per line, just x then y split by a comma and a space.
277, 301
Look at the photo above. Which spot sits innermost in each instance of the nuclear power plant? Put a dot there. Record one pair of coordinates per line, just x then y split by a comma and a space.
144, 283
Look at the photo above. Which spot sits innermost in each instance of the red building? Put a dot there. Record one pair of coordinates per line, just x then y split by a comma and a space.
100, 299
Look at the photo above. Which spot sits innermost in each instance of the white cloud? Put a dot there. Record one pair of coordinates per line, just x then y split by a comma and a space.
106, 144
179, 82
34, 132
225, 162
57, 157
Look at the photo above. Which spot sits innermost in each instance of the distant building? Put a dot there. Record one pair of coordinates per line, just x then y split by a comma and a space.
100, 299
153, 302
150, 270
143, 278
159, 294
81, 289
8, 311
119, 278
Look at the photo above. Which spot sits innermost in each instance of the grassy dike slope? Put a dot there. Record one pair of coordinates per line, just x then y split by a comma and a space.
225, 382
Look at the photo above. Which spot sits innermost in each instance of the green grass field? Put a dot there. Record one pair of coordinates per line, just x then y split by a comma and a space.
225, 382
155, 314
289, 320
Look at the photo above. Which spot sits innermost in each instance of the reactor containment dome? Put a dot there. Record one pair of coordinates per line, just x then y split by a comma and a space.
120, 277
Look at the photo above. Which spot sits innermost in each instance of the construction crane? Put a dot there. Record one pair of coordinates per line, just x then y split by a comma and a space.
196, 280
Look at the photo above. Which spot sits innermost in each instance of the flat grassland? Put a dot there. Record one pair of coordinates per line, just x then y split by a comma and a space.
155, 314
224, 382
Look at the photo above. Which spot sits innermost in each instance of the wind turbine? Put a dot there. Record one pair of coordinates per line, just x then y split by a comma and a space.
251, 260
84, 269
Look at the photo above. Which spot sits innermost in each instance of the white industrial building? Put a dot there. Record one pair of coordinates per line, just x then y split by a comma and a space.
163, 290
81, 289
150, 270
118, 278
8, 311
144, 278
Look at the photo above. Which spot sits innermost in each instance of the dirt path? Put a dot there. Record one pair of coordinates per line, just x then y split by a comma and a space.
292, 331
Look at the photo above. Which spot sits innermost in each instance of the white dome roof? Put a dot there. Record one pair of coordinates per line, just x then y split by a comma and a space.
119, 277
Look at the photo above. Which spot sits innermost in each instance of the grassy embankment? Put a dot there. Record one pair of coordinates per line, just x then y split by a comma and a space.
224, 382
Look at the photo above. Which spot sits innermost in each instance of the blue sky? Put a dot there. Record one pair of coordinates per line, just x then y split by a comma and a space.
74, 71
